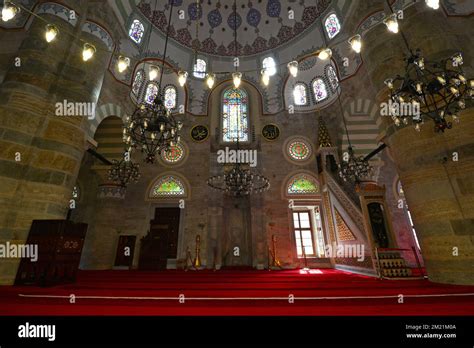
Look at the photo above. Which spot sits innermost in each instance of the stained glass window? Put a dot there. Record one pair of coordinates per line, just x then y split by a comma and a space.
269, 65
168, 186
234, 115
332, 76
298, 150
333, 26
200, 68
299, 94
170, 97
174, 154
302, 184
137, 82
320, 90
136, 31
151, 93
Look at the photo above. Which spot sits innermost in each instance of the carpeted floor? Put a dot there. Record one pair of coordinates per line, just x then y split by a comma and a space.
234, 292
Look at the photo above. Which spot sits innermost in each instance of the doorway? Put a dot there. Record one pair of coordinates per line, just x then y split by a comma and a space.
161, 242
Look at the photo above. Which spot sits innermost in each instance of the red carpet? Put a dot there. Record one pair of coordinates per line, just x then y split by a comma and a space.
237, 293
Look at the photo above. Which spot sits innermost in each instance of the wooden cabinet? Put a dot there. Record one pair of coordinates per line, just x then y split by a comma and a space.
60, 244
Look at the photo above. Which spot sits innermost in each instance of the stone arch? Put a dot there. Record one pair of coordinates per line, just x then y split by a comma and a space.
103, 111
109, 138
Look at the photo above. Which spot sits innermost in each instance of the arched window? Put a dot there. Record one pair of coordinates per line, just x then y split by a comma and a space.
170, 97
151, 93
235, 123
320, 90
200, 68
136, 31
333, 26
332, 77
138, 82
302, 184
269, 65
299, 94
168, 186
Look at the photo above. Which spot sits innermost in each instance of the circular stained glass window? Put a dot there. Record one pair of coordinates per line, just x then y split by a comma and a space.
174, 154
299, 150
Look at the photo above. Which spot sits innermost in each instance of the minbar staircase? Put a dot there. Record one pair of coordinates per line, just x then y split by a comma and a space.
392, 265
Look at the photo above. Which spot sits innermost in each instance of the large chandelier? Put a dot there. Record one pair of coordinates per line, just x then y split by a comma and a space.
355, 168
124, 171
239, 181
434, 90
152, 128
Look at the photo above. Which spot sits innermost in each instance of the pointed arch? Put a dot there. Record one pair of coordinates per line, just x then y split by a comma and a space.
168, 185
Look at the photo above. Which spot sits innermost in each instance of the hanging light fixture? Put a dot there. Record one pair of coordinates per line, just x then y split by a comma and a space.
152, 128
236, 78
293, 68
182, 77
88, 52
153, 72
352, 168
434, 4
324, 53
356, 43
265, 77
9, 11
392, 23
51, 32
239, 180
210, 80
429, 90
124, 171
123, 63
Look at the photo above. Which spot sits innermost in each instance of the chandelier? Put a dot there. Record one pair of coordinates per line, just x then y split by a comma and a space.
354, 168
239, 182
434, 90
152, 128
124, 171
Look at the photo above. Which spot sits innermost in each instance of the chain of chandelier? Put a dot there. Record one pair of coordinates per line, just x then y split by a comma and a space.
10, 10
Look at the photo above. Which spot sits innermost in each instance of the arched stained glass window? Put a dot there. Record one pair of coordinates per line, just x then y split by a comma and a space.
299, 94
299, 150
170, 97
320, 90
235, 123
168, 186
151, 93
200, 68
136, 31
174, 154
269, 65
302, 184
332, 77
137, 82
333, 26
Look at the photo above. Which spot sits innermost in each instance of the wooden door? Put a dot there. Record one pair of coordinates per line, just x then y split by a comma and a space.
125, 250
161, 243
